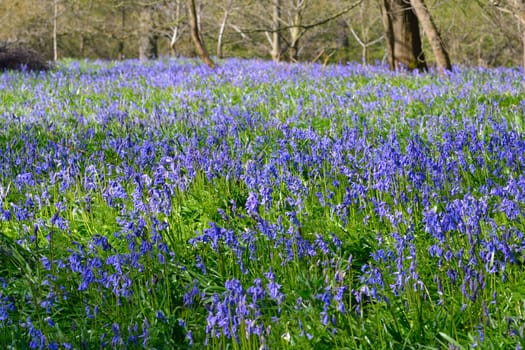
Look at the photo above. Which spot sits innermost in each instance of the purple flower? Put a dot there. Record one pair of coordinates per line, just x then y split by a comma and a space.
274, 292
252, 204
59, 222
45, 263
5, 215
117, 339
339, 298
199, 264
189, 337
50, 322
256, 291
160, 316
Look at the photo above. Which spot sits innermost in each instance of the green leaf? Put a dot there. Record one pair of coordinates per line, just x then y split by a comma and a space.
452, 341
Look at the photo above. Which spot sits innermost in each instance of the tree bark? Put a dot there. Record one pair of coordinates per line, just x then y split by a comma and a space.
55, 26
343, 40
221, 30
147, 40
276, 35
515, 8
521, 15
175, 32
402, 35
121, 42
389, 33
523, 41
195, 35
295, 30
432, 33
523, 50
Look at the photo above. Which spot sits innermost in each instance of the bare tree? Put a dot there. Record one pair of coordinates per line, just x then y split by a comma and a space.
275, 38
292, 21
517, 9
55, 29
362, 31
296, 15
432, 33
403, 40
195, 35
147, 37
121, 41
257, 21
172, 22
297, 28
176, 26
83, 34
486, 35
227, 10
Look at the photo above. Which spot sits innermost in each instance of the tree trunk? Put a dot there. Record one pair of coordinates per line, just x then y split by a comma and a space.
221, 32
389, 34
195, 35
343, 40
147, 40
121, 42
402, 35
295, 35
55, 28
175, 33
276, 41
81, 45
521, 15
523, 50
515, 8
295, 32
294, 51
523, 46
432, 33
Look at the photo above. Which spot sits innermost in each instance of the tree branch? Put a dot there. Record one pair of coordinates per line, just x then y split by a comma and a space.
311, 25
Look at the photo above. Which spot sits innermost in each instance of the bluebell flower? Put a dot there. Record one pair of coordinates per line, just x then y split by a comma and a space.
25, 179
101, 241
189, 337
38, 339
256, 291
5, 215
45, 263
89, 315
252, 204
274, 292
117, 339
7, 306
145, 332
199, 264
321, 244
160, 316
59, 222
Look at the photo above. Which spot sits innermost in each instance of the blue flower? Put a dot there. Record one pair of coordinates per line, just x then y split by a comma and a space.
160, 316
117, 339
252, 204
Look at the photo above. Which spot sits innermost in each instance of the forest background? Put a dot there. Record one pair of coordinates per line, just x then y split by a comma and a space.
474, 32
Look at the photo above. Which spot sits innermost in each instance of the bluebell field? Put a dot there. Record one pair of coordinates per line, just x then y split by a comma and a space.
261, 206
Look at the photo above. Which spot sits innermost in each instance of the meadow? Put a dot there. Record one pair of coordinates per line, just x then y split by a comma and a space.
261, 206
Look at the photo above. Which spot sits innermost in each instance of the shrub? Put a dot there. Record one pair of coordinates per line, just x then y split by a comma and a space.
20, 58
